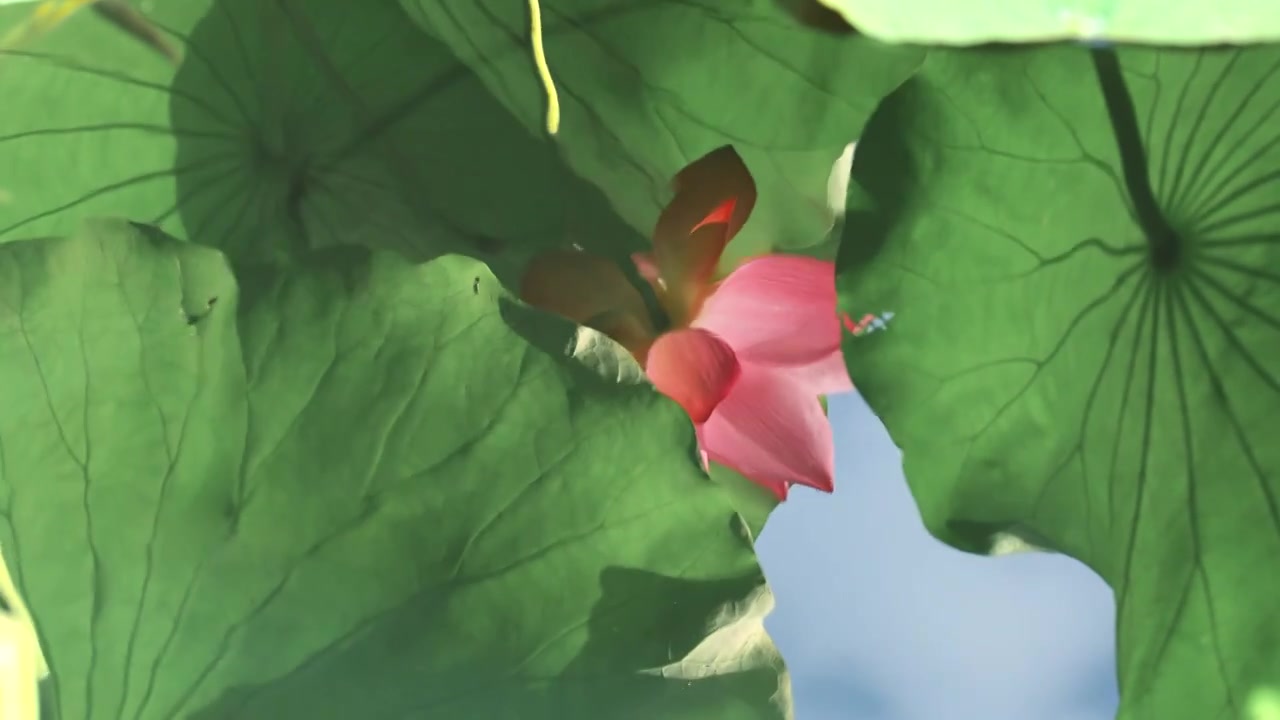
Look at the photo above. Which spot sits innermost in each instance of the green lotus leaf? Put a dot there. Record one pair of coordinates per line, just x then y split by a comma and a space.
1079, 250
287, 125
359, 487
646, 88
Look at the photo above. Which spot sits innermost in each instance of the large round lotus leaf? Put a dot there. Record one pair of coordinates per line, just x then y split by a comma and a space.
648, 87
360, 488
967, 22
1081, 252
288, 125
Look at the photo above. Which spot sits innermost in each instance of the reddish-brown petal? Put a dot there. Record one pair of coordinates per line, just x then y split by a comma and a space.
714, 196
589, 290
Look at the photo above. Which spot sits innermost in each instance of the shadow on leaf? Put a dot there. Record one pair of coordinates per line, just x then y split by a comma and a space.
400, 664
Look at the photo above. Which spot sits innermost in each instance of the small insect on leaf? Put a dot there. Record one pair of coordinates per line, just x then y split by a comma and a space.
475, 287
869, 323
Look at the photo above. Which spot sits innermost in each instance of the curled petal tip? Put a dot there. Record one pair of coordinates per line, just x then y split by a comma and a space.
695, 368
824, 483
710, 180
721, 214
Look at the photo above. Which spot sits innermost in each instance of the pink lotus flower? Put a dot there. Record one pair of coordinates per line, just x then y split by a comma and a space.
747, 357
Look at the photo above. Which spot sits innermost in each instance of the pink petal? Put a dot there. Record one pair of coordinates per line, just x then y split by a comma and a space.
772, 429
779, 489
778, 309
695, 368
826, 376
